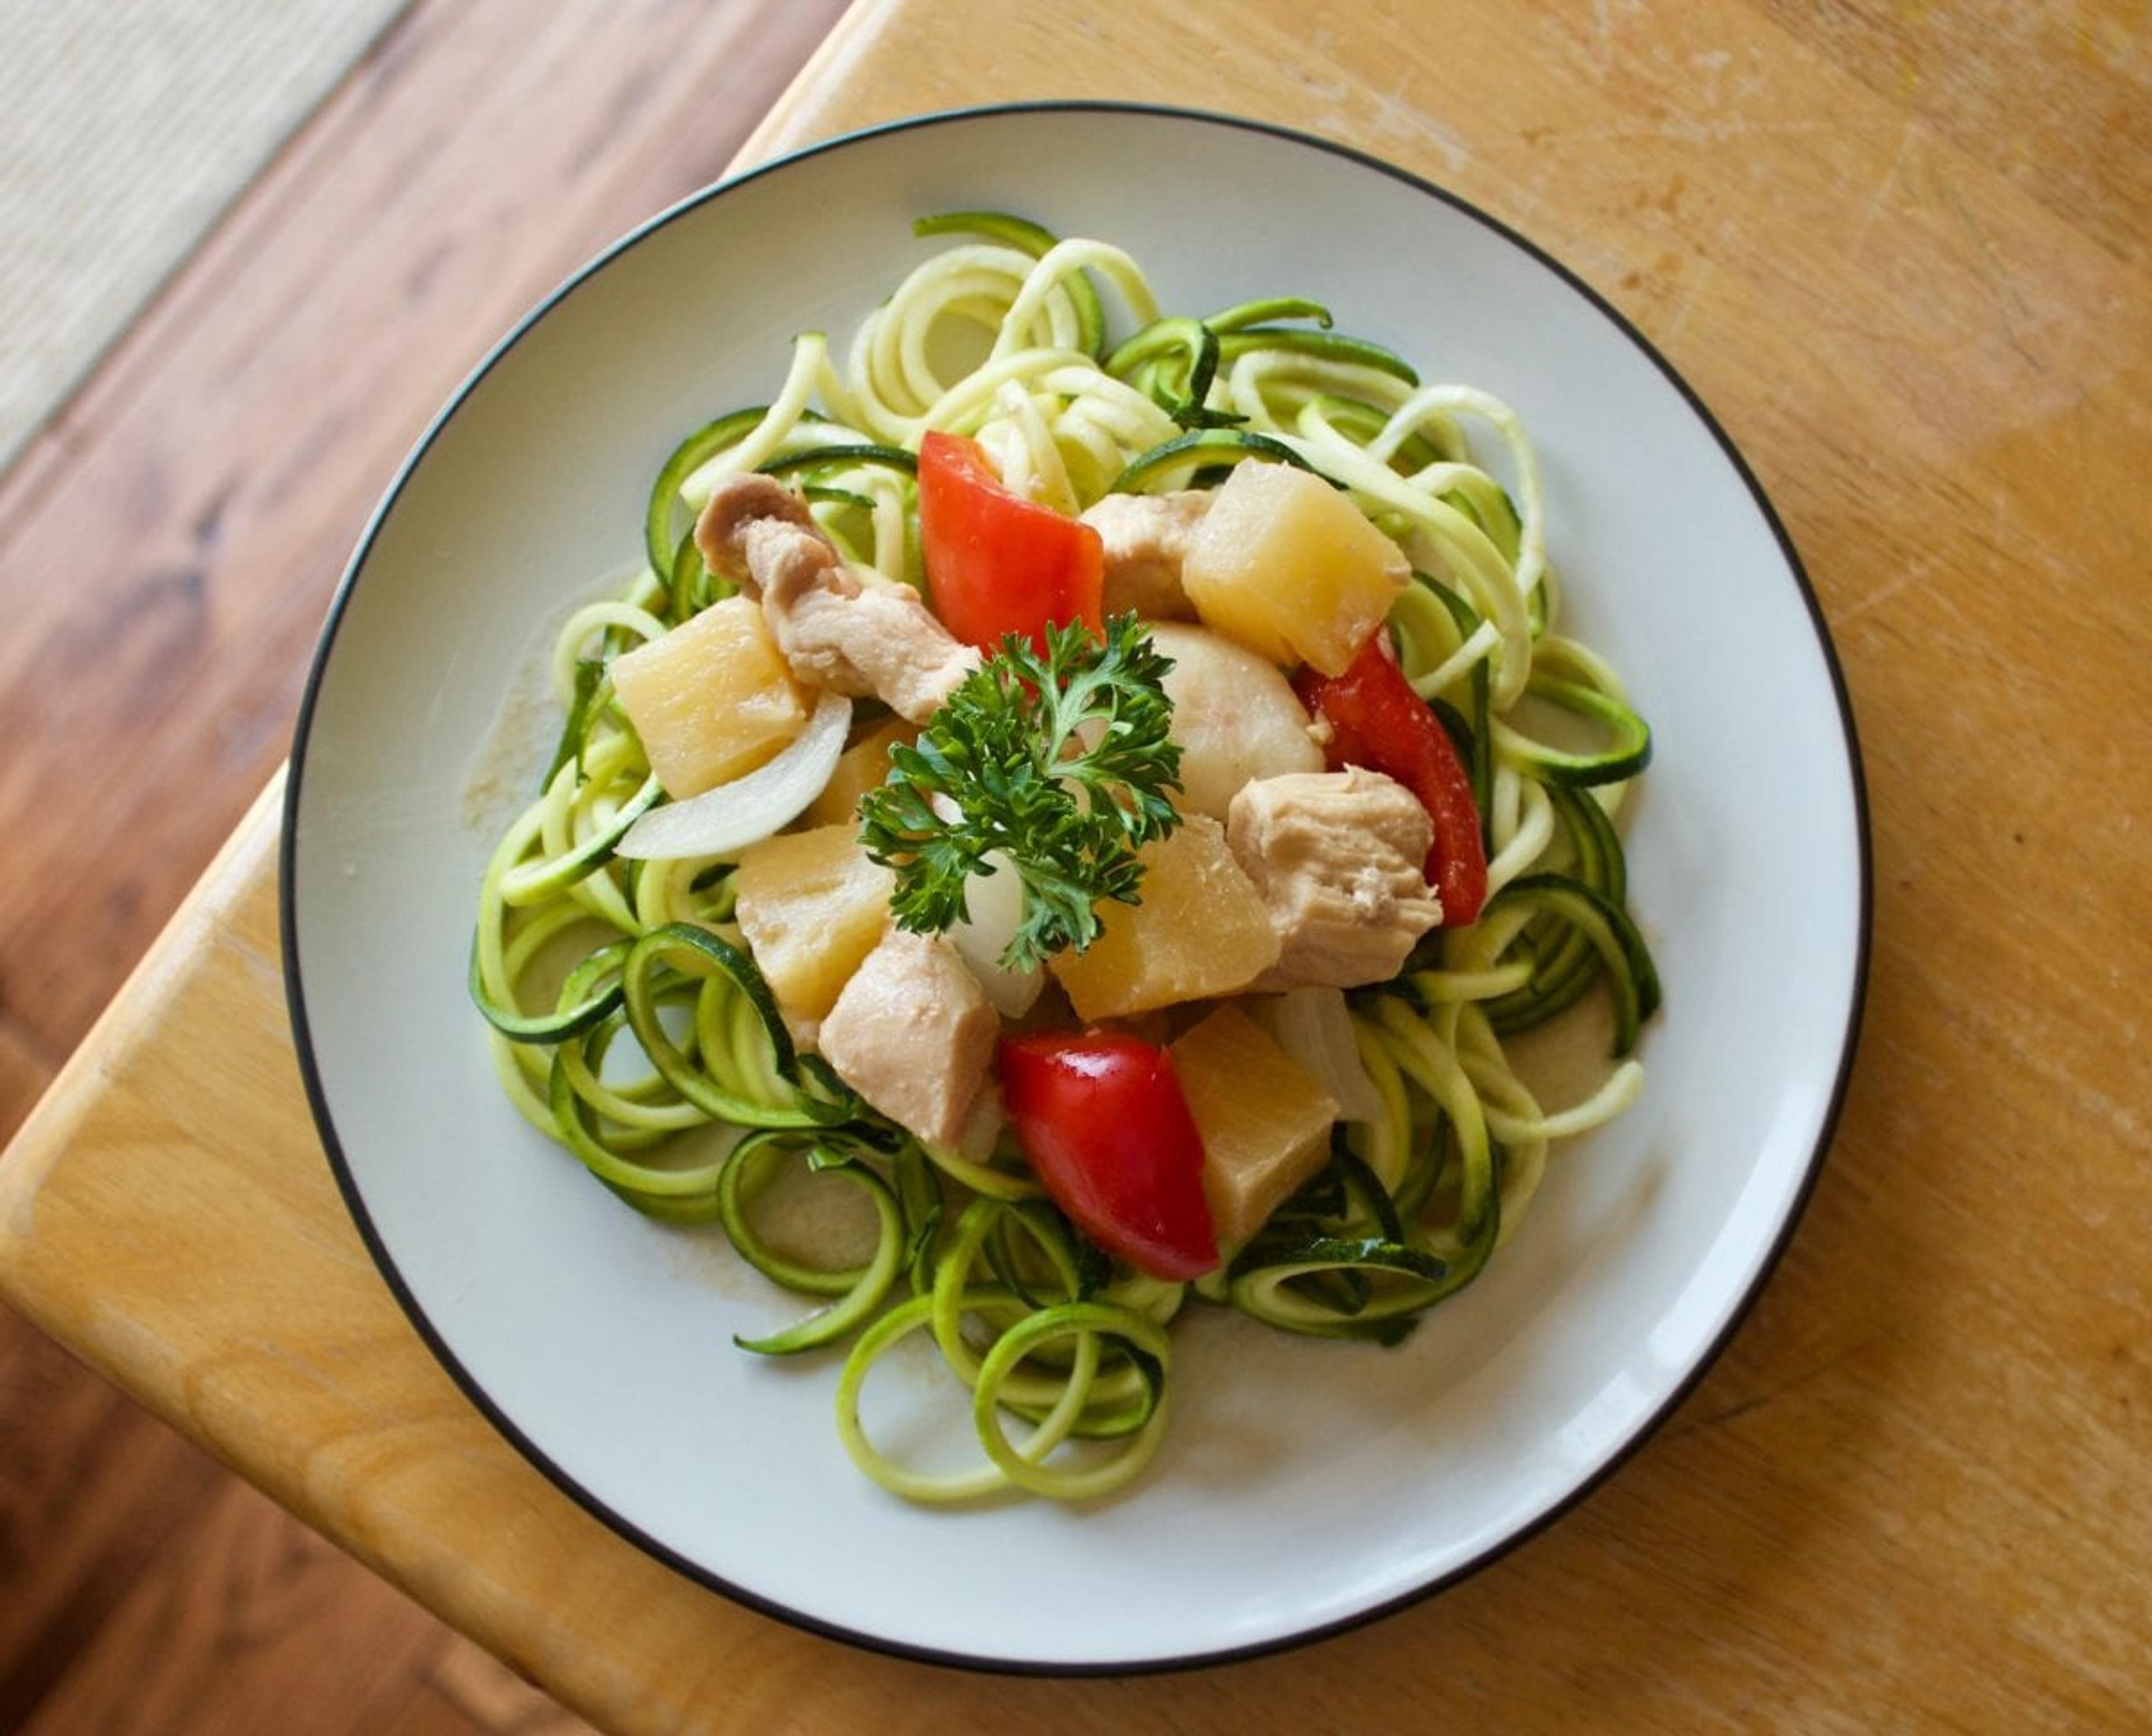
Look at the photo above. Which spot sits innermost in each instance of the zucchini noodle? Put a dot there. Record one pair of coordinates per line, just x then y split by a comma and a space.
630, 1022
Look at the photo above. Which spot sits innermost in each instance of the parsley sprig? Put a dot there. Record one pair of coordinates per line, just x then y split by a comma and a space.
1058, 758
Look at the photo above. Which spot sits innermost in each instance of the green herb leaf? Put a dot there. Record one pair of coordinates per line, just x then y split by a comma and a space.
1059, 760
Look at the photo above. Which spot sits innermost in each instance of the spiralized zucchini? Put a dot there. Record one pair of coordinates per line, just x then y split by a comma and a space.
629, 1021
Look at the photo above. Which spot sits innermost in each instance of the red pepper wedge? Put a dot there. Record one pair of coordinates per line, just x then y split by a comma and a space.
1377, 721
1107, 1132
998, 563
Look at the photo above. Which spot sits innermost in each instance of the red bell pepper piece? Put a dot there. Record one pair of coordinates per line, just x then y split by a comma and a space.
1102, 1118
997, 563
1377, 721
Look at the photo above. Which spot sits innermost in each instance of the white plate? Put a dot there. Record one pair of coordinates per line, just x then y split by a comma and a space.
1305, 1485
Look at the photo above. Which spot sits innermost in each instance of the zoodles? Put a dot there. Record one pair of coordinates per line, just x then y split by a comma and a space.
633, 1021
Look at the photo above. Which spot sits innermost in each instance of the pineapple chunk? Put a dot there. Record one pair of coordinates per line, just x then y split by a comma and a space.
862, 767
713, 699
1201, 930
1289, 567
1266, 1124
812, 906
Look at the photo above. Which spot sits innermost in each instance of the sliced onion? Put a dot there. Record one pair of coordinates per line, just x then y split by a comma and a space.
1314, 1026
747, 809
993, 906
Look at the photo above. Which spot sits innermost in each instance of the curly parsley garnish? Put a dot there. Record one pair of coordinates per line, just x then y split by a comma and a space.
1060, 761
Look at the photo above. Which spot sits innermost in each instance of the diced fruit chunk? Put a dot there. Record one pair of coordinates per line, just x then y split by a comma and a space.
861, 768
1201, 930
1265, 1122
1106, 1128
713, 699
1236, 718
812, 907
997, 562
1287, 565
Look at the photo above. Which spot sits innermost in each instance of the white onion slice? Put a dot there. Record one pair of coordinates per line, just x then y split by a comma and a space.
749, 809
1313, 1026
993, 907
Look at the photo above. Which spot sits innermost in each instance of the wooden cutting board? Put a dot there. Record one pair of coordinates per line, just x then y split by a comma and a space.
1902, 258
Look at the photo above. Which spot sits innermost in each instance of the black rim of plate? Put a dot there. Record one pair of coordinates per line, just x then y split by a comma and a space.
295, 995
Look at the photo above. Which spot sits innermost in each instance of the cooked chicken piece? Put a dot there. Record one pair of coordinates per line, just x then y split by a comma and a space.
1234, 715
913, 1033
1337, 857
1146, 538
834, 631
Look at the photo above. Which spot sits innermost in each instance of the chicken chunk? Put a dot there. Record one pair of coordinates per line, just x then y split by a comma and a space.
1337, 857
913, 1033
1234, 716
1146, 539
834, 631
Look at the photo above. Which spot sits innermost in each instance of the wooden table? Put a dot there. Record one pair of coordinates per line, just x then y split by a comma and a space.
1903, 257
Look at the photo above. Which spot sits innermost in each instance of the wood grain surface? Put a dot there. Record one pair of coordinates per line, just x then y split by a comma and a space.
167, 550
1900, 252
